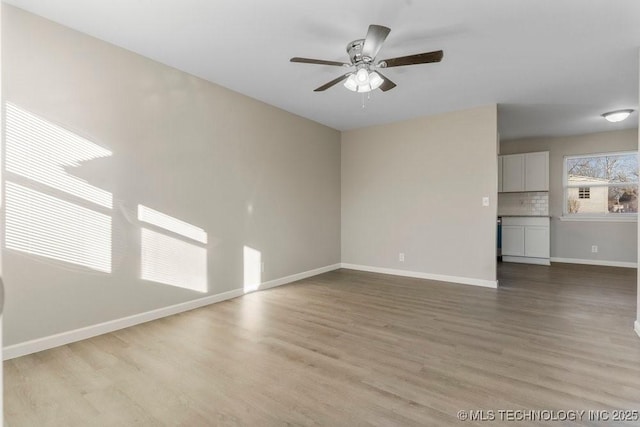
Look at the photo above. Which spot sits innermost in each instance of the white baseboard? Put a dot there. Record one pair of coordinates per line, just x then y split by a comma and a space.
421, 275
636, 327
595, 262
298, 276
51, 341
526, 260
45, 343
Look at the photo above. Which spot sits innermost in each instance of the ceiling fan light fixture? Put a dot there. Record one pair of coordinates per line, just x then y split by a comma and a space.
351, 83
362, 76
375, 81
617, 116
363, 81
362, 54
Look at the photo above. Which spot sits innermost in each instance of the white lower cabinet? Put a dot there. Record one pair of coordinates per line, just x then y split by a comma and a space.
526, 240
512, 240
536, 242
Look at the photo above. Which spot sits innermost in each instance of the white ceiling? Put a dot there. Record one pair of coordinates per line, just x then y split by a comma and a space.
553, 65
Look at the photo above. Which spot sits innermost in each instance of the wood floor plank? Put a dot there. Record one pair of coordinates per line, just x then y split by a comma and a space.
352, 348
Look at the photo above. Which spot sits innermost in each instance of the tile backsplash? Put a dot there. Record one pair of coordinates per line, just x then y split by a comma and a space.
531, 203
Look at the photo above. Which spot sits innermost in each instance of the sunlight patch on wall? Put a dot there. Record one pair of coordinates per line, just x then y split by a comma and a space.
43, 152
43, 225
170, 223
172, 261
51, 225
252, 269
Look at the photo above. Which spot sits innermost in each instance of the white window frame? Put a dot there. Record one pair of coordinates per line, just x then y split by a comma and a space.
614, 217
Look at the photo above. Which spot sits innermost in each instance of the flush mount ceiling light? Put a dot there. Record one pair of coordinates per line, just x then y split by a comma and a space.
617, 116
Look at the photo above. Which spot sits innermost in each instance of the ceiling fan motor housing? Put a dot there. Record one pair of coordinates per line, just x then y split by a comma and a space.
354, 49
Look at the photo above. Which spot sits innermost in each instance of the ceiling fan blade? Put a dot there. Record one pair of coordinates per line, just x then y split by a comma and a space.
319, 61
376, 36
332, 83
420, 58
387, 84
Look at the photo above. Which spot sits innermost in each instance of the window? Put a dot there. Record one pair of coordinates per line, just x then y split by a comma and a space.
602, 185
583, 193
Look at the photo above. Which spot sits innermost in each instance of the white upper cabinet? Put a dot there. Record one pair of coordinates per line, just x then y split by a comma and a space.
524, 172
536, 171
513, 172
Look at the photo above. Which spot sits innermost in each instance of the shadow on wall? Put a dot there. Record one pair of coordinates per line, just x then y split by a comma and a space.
54, 215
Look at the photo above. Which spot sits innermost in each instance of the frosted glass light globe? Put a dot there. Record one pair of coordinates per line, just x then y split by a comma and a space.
362, 76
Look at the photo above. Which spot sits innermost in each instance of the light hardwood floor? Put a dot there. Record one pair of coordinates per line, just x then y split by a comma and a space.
352, 348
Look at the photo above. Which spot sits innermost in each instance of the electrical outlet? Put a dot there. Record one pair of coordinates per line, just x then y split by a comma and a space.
594, 249
401, 257
485, 201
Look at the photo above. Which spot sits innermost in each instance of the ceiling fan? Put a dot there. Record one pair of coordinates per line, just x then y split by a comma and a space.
362, 53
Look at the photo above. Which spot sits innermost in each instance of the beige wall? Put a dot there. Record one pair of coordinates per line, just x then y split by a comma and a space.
616, 241
245, 172
416, 187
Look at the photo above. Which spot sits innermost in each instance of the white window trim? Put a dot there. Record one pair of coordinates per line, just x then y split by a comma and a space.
606, 217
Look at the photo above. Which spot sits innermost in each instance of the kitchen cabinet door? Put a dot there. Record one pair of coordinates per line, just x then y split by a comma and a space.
536, 171
536, 241
513, 240
513, 172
